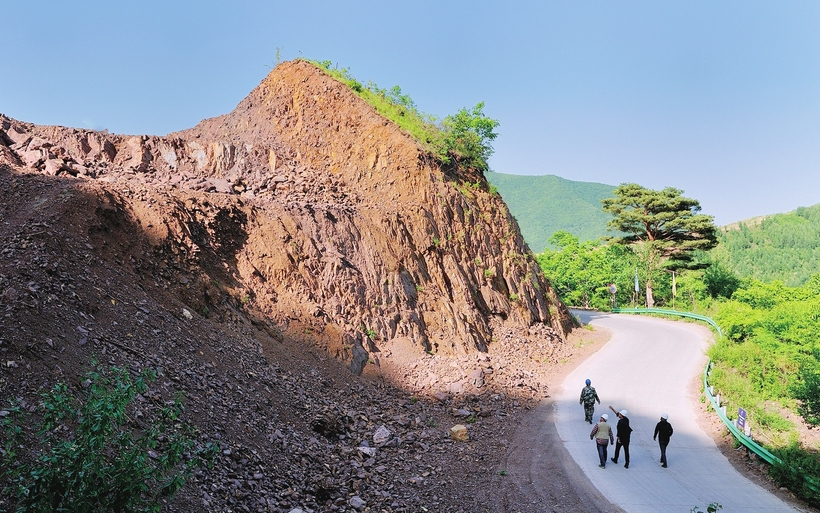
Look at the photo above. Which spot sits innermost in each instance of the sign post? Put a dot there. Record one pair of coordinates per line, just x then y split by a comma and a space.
741, 419
612, 290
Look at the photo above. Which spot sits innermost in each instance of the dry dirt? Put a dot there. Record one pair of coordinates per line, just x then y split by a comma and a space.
295, 426
328, 300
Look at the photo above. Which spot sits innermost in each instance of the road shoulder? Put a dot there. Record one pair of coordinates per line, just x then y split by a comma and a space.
537, 473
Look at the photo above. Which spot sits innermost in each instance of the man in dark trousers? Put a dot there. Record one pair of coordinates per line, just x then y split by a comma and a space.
603, 437
588, 398
622, 436
663, 431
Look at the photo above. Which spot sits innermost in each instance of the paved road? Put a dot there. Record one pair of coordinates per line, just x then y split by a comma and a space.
648, 368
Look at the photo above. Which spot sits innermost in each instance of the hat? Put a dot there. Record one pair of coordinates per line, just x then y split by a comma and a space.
605, 416
665, 416
622, 412
588, 382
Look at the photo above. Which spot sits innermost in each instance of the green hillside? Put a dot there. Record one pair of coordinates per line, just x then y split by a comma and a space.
782, 247
548, 203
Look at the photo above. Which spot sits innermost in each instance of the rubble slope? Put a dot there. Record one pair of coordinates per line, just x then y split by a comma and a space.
247, 259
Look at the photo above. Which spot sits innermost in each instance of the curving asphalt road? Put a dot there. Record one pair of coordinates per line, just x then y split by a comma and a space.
647, 368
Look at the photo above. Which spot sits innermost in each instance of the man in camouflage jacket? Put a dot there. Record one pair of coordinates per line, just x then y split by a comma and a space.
588, 398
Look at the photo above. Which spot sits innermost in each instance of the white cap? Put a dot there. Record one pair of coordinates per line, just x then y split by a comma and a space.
665, 416
622, 412
605, 416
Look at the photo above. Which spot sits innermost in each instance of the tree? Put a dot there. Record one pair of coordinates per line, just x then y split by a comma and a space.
664, 228
468, 137
581, 272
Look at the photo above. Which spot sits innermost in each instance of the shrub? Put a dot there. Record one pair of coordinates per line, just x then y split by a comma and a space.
89, 456
795, 467
468, 137
807, 390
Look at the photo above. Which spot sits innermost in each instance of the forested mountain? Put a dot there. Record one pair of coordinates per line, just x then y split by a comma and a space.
783, 247
548, 203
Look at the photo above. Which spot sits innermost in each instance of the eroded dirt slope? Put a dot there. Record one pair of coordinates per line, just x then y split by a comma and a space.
256, 260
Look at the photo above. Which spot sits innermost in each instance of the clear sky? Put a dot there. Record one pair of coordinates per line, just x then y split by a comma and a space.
718, 98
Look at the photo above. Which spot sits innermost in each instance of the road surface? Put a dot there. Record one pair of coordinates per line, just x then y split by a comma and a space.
647, 368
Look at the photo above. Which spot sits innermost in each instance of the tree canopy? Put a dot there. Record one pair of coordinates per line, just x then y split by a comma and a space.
665, 228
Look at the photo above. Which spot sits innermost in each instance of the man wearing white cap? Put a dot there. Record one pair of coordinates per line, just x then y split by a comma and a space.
663, 431
603, 437
622, 436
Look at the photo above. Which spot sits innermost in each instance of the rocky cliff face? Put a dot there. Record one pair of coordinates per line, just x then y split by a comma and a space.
231, 258
312, 214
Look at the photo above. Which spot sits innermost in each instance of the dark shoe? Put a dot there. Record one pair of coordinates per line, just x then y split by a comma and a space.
613, 460
664, 465
626, 466
601, 466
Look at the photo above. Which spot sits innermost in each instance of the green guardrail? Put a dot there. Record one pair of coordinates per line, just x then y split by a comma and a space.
666, 311
740, 436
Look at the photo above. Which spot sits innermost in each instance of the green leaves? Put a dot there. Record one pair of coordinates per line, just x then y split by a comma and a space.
468, 137
665, 219
806, 389
580, 272
87, 456
663, 226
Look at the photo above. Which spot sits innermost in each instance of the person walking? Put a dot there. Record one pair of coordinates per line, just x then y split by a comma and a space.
624, 432
663, 431
602, 433
588, 398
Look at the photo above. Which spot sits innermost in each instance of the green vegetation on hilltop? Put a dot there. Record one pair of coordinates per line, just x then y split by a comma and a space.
463, 139
783, 247
543, 205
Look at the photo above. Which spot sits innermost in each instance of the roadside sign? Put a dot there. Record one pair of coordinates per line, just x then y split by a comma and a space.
741, 418
612, 288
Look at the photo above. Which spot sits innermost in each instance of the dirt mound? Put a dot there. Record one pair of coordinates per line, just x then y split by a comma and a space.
256, 259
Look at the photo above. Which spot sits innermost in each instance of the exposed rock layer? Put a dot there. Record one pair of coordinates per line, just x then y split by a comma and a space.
221, 256
309, 209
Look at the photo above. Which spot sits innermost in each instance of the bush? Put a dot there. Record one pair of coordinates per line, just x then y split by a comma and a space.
796, 471
468, 137
807, 390
90, 456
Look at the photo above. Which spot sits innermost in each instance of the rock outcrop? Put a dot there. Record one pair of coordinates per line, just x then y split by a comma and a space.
231, 258
316, 214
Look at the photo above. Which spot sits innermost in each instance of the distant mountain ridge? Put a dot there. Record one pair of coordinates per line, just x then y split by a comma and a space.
547, 203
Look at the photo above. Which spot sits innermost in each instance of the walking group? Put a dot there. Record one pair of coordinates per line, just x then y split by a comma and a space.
602, 431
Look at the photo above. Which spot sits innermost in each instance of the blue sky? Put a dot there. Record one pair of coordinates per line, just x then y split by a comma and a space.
719, 99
